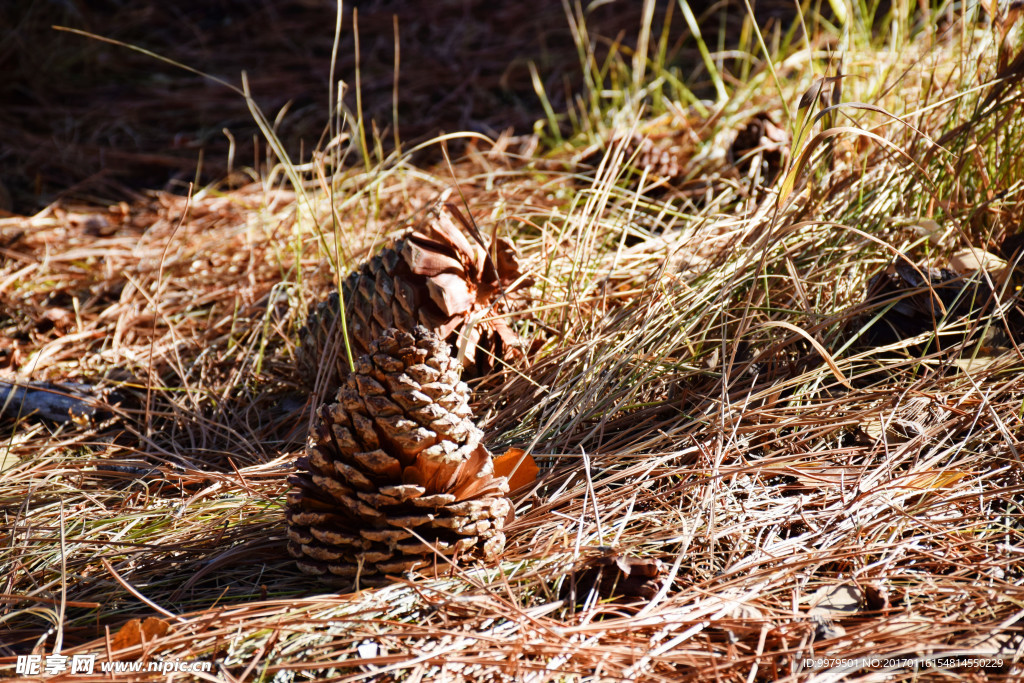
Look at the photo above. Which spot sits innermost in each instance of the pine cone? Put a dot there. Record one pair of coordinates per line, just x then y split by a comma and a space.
915, 300
395, 470
665, 155
763, 140
665, 158
432, 276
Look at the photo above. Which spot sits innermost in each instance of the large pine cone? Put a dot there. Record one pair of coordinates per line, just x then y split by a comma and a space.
395, 470
432, 276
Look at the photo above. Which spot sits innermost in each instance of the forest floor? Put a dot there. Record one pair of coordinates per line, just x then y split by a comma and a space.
774, 333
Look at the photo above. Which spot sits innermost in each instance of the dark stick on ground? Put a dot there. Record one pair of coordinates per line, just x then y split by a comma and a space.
58, 402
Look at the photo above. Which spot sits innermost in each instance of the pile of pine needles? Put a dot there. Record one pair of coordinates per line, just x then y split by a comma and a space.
699, 388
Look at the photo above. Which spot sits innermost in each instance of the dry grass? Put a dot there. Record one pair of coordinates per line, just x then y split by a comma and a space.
675, 399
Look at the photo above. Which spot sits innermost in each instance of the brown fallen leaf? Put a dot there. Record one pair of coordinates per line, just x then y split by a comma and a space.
968, 260
515, 465
842, 600
135, 632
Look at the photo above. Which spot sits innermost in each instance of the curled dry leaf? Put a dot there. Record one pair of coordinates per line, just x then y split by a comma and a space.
834, 602
968, 261
842, 600
738, 618
937, 235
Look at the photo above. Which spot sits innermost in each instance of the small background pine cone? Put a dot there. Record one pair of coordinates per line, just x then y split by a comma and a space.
664, 153
760, 141
917, 300
395, 470
667, 157
616, 578
433, 276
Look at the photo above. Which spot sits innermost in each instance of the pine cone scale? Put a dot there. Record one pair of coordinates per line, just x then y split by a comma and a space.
380, 463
